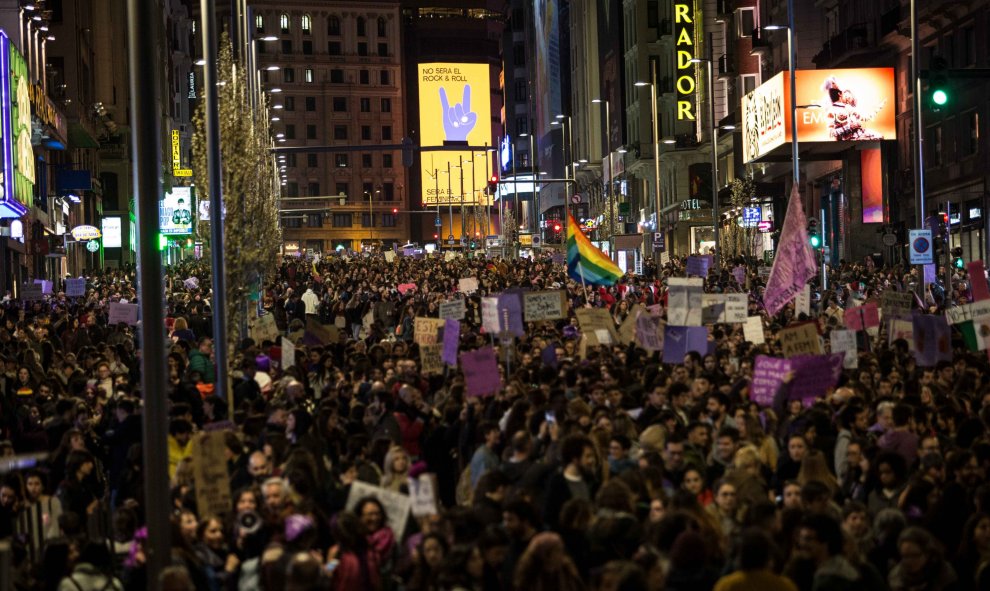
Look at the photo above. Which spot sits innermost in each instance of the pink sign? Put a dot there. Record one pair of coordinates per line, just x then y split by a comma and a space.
862, 317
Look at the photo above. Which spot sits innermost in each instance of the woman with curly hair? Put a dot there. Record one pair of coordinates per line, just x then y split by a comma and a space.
545, 566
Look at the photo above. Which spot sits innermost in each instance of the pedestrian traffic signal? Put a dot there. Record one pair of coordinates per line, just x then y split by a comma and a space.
492, 185
939, 94
813, 237
957, 260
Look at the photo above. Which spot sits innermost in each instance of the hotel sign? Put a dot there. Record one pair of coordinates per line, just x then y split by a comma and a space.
177, 169
686, 50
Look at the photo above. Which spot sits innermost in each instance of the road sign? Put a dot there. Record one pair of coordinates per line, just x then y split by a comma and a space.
659, 244
889, 239
437, 222
450, 241
921, 247
576, 198
450, 238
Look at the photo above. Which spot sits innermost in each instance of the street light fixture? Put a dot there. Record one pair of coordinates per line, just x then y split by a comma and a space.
608, 149
656, 137
791, 65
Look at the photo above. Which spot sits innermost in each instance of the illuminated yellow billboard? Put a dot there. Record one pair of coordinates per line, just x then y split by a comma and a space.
454, 106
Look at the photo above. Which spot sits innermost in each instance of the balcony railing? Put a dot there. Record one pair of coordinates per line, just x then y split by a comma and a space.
854, 38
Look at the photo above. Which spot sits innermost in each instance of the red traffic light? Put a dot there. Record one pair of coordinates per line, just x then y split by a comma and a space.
435, 236
395, 210
494, 179
556, 227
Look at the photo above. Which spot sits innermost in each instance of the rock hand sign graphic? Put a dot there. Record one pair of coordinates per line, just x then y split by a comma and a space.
458, 119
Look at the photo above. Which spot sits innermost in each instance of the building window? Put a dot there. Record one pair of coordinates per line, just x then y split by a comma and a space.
288, 75
259, 23
307, 47
386, 132
974, 132
383, 49
309, 74
290, 132
367, 220
311, 132
363, 77
340, 160
307, 24
381, 27
341, 220
746, 18
333, 26
388, 191
283, 22
521, 88
518, 55
287, 47
362, 29
342, 189
388, 220
340, 104
935, 141
334, 48
310, 160
310, 103
365, 105
383, 77
386, 161
314, 188
386, 105
337, 76
968, 49
366, 189
292, 189
366, 132
289, 103
362, 49
340, 132
522, 125
292, 222
366, 158
749, 83
290, 160
314, 220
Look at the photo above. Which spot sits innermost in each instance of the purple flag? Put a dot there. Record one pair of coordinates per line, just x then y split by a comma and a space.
451, 338
678, 340
740, 275
814, 375
481, 375
932, 340
510, 307
794, 263
768, 374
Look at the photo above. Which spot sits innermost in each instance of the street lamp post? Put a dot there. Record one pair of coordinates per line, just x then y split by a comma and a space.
716, 215
656, 139
567, 152
791, 68
610, 196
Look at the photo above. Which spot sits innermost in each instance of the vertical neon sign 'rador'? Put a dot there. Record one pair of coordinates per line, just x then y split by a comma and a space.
685, 48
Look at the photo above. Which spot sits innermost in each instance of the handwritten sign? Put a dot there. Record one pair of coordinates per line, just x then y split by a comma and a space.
594, 319
712, 308
422, 492
768, 375
647, 335
481, 376
800, 339
397, 505
844, 341
430, 359
210, 476
453, 309
126, 313
901, 329
753, 330
288, 353
467, 285
736, 307
802, 303
627, 330
490, 318
75, 287
896, 304
31, 292
265, 329
544, 305
426, 330
960, 314
684, 301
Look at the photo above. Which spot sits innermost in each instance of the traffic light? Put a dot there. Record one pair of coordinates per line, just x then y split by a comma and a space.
395, 210
939, 94
492, 185
957, 260
813, 237
162, 242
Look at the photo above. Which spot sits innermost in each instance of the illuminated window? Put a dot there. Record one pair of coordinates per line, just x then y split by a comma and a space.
307, 24
259, 23
283, 22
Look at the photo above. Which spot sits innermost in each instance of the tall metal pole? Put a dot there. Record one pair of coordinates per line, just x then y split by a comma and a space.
656, 141
611, 195
213, 166
488, 207
791, 69
716, 215
371, 214
147, 142
474, 195
450, 204
919, 153
437, 228
460, 159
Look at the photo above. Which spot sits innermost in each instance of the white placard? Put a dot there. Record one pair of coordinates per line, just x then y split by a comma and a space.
844, 341
396, 505
454, 309
127, 313
389, 256
753, 330
467, 285
684, 301
802, 304
736, 307
423, 495
288, 353
75, 288
489, 315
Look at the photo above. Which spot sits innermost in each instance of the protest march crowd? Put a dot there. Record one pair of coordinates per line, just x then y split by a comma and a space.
447, 423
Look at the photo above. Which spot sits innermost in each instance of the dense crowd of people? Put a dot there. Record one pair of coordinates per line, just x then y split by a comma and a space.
591, 467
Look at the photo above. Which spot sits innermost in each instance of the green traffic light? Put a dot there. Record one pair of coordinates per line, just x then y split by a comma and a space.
959, 263
940, 97
815, 241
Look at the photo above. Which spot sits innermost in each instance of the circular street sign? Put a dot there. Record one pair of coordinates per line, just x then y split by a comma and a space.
889, 239
921, 245
576, 198
93, 246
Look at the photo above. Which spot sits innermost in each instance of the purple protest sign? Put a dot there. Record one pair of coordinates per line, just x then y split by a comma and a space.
698, 265
814, 375
794, 263
481, 375
549, 355
740, 275
768, 374
510, 307
678, 340
451, 340
932, 340
929, 274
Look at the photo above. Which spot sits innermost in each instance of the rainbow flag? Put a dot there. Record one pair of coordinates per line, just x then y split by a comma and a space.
585, 262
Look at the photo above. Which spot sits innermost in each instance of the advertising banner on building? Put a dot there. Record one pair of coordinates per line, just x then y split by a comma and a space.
111, 232
844, 105
176, 212
12, 185
454, 107
871, 161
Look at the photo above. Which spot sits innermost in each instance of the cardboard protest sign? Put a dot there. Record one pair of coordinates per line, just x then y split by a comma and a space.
753, 330
265, 329
627, 330
397, 505
862, 317
481, 376
712, 308
768, 375
451, 341
545, 305
593, 319
422, 492
426, 330
896, 304
684, 303
389, 256
212, 482
288, 353
75, 288
932, 340
736, 307
31, 292
844, 341
467, 285
490, 317
431, 359
678, 340
647, 335
960, 314
126, 313
800, 339
453, 309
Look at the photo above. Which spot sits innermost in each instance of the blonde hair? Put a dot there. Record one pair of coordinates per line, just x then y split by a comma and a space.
815, 467
180, 324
